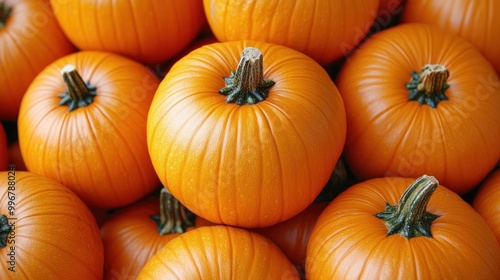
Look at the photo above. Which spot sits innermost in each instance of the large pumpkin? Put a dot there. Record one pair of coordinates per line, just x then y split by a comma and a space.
30, 39
150, 31
47, 232
252, 147
471, 19
431, 233
322, 29
420, 100
83, 123
487, 201
219, 252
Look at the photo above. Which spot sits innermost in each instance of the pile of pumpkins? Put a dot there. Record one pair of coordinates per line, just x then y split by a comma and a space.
263, 139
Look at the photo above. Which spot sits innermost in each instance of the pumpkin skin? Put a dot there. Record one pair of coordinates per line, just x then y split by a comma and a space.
245, 165
30, 40
390, 135
292, 235
99, 151
4, 153
487, 201
322, 29
52, 224
149, 31
473, 20
219, 252
349, 242
15, 156
131, 237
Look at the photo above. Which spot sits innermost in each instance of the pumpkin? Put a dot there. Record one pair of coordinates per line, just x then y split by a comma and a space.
219, 252
46, 231
149, 31
292, 235
431, 233
473, 20
15, 156
487, 201
83, 123
421, 101
249, 147
4, 153
134, 234
30, 39
324, 30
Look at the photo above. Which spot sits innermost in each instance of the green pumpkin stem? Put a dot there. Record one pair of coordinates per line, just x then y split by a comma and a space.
409, 218
428, 86
78, 93
247, 85
4, 14
5, 229
173, 215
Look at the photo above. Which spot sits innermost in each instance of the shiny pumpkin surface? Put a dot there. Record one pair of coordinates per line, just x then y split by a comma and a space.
390, 135
99, 151
249, 165
219, 253
149, 31
349, 242
487, 202
471, 19
30, 40
322, 29
55, 234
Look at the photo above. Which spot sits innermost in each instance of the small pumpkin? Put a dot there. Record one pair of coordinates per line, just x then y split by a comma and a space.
83, 123
420, 100
324, 30
149, 31
487, 201
133, 235
471, 19
15, 156
431, 233
219, 252
30, 39
4, 153
251, 147
46, 231
292, 235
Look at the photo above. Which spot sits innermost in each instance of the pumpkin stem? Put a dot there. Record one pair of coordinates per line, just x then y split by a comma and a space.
247, 85
5, 229
172, 217
428, 86
78, 93
409, 218
4, 14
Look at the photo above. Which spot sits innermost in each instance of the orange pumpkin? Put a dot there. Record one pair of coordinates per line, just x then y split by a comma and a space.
292, 235
252, 149
4, 153
431, 233
324, 30
471, 19
219, 252
83, 123
46, 232
421, 101
15, 156
487, 201
150, 31
30, 39
132, 236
